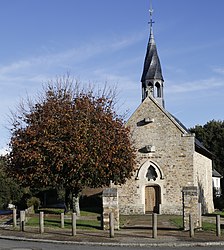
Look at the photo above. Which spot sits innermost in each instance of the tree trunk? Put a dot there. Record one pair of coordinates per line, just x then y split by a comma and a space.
67, 200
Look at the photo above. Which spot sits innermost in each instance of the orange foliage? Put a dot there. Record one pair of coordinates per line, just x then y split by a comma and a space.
70, 140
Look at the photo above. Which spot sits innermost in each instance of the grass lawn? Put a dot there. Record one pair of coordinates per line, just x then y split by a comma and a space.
59, 211
91, 220
55, 222
88, 220
206, 226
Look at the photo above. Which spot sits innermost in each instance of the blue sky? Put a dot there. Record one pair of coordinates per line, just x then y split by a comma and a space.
100, 41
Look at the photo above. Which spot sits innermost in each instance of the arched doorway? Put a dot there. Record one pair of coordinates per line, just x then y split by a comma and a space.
152, 199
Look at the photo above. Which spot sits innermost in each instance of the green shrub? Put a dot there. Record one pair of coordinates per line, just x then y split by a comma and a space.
33, 201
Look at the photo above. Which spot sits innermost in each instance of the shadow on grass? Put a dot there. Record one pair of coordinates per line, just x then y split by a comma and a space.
79, 225
97, 210
150, 228
82, 226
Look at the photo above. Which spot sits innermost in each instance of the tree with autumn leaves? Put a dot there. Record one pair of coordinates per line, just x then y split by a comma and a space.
71, 139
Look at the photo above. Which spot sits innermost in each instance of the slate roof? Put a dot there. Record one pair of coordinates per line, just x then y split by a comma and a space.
200, 148
215, 173
152, 68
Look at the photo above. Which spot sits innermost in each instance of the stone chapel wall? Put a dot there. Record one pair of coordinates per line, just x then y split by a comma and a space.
203, 179
172, 153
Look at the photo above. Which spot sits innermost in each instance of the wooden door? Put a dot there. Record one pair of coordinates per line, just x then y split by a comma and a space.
151, 199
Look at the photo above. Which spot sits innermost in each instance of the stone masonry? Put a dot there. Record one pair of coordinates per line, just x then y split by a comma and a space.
165, 146
110, 205
190, 206
168, 158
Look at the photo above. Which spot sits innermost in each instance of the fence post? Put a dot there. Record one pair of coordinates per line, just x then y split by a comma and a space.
41, 221
218, 228
101, 221
73, 224
191, 224
154, 225
111, 223
200, 215
14, 217
22, 221
62, 220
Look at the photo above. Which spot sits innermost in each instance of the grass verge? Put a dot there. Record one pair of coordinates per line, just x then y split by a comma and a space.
206, 226
53, 220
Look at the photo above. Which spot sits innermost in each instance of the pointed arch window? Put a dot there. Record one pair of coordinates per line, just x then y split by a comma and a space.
158, 88
151, 173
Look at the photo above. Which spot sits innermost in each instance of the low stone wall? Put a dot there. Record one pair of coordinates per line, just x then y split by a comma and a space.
110, 205
167, 209
131, 209
190, 206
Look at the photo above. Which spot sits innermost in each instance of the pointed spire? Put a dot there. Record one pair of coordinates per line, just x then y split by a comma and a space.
152, 78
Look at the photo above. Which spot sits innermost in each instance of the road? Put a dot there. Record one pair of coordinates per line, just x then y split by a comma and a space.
23, 245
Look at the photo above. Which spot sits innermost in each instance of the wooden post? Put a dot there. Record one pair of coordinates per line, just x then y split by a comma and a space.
218, 227
111, 224
154, 225
22, 221
62, 220
199, 215
101, 222
14, 217
191, 224
41, 222
73, 224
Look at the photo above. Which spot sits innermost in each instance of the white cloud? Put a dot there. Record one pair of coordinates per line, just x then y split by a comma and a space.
121, 81
77, 54
219, 70
15, 66
198, 85
182, 49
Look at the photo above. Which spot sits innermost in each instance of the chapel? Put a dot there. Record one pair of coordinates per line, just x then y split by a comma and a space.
169, 157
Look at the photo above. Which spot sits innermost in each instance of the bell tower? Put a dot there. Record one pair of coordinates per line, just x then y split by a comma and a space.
152, 79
